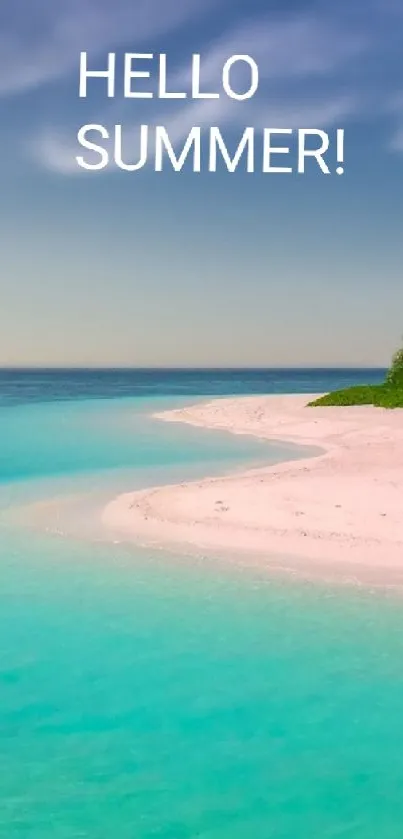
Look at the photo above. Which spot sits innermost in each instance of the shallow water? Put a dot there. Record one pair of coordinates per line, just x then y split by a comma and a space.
150, 696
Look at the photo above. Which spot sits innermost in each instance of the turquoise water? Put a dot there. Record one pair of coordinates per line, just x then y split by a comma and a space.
147, 695
60, 439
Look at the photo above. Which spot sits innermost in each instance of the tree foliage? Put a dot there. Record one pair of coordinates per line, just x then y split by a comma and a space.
395, 374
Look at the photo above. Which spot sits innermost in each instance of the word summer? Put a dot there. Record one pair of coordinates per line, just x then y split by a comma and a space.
269, 150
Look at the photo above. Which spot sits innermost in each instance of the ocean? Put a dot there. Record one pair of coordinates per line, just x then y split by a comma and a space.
144, 694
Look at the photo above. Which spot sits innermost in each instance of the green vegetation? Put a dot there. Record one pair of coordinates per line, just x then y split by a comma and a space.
389, 394
383, 396
395, 374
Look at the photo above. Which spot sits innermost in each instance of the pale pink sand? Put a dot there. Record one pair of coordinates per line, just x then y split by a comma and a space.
342, 508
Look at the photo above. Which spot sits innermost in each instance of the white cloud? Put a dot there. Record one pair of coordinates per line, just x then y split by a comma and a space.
54, 151
40, 40
312, 68
288, 52
396, 143
292, 48
394, 109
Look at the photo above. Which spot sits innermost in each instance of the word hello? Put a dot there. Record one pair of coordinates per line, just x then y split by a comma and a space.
138, 67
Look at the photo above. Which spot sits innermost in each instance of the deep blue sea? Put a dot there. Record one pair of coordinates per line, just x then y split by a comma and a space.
145, 695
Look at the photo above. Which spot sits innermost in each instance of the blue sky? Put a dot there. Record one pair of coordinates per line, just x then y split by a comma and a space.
113, 268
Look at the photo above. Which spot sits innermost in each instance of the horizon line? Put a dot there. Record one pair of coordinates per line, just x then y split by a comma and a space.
189, 368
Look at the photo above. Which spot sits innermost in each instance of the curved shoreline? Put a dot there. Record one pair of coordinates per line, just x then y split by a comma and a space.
340, 511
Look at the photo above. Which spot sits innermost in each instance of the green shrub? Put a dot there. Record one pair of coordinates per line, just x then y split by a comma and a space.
395, 374
357, 395
383, 396
387, 395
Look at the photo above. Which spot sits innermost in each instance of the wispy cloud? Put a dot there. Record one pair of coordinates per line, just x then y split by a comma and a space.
396, 143
291, 48
40, 40
394, 107
289, 52
312, 67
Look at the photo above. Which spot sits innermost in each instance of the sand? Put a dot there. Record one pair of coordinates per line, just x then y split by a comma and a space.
338, 512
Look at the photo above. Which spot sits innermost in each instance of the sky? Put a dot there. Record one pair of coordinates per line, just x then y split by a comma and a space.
115, 268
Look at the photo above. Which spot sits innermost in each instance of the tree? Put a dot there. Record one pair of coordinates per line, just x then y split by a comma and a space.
395, 374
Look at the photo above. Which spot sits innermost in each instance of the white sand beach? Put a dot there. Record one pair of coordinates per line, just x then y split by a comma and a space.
339, 512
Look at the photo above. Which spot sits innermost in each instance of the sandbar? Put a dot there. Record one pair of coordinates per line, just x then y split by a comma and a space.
338, 512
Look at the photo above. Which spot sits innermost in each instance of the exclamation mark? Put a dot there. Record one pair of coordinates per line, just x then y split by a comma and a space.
340, 151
